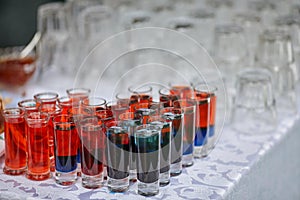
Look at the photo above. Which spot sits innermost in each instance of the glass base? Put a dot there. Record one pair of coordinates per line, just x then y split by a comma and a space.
52, 164
187, 160
118, 185
37, 177
148, 189
79, 169
92, 182
176, 169
14, 172
164, 178
65, 178
200, 151
133, 175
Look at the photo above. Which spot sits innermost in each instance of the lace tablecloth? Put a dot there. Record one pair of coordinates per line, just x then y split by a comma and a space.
214, 177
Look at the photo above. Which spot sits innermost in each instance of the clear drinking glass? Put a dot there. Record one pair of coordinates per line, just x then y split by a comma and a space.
147, 144
252, 26
15, 141
78, 94
66, 141
291, 24
254, 110
175, 116
53, 46
38, 146
188, 108
165, 144
92, 152
206, 97
131, 122
274, 54
118, 156
29, 105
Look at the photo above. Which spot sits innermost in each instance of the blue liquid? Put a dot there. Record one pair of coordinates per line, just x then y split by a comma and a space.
78, 156
211, 130
65, 163
200, 136
187, 148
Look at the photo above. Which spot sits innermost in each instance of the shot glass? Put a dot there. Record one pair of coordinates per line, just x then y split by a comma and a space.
181, 90
66, 147
274, 53
52, 114
46, 101
53, 25
205, 137
142, 94
254, 103
78, 94
92, 152
188, 107
29, 105
93, 104
118, 156
175, 116
165, 126
167, 97
65, 103
147, 144
131, 122
15, 141
143, 111
38, 146
118, 107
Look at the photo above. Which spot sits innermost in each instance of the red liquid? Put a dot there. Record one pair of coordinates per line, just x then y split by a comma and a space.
181, 91
15, 145
200, 96
66, 140
93, 151
16, 71
38, 151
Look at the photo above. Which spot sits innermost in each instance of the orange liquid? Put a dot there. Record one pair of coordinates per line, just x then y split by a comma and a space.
15, 143
38, 149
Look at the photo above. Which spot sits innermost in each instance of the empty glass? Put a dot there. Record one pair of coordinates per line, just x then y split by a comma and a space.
273, 54
254, 110
54, 28
229, 50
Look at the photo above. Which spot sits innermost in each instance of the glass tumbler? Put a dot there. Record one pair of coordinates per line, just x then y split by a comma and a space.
165, 126
147, 144
65, 149
46, 101
131, 122
38, 146
15, 141
175, 116
254, 110
274, 54
188, 107
92, 152
206, 97
118, 156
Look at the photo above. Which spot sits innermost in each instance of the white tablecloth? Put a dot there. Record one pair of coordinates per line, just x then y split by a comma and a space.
240, 167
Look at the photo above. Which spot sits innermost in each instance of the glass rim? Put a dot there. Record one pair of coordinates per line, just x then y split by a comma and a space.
33, 101
139, 90
13, 112
52, 96
46, 116
75, 91
66, 116
101, 101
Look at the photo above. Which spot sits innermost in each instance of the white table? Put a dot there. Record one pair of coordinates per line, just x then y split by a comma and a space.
240, 167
